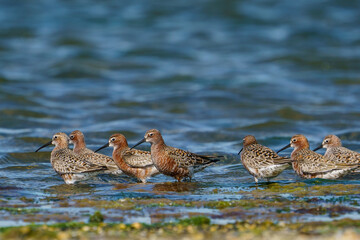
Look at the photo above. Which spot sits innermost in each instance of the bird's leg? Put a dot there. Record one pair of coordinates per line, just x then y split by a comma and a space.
178, 179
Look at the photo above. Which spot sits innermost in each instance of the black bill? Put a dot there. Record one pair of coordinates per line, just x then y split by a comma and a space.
45, 145
102, 147
287, 146
315, 149
140, 142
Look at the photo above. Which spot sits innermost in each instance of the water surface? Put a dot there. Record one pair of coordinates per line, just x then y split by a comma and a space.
205, 73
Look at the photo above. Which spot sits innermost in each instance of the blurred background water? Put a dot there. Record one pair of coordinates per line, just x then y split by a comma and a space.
206, 73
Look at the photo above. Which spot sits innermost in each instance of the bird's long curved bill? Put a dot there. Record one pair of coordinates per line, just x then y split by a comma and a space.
240, 151
45, 145
102, 147
287, 146
320, 146
140, 142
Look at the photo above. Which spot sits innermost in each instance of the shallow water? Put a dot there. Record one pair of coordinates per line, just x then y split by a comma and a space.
206, 74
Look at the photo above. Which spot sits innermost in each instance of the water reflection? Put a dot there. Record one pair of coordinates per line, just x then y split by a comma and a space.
177, 187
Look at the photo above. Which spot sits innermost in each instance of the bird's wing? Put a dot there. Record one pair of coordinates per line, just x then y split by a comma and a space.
67, 162
187, 159
137, 158
257, 155
98, 159
314, 163
344, 155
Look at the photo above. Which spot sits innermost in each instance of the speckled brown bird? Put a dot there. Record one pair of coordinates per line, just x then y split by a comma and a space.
337, 153
261, 161
309, 164
132, 162
77, 138
67, 164
172, 161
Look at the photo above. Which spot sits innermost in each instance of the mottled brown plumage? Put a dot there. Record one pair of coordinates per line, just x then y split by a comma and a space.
132, 162
309, 164
172, 161
337, 153
67, 164
77, 138
261, 161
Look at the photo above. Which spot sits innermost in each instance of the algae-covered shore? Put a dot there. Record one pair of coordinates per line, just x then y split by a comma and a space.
300, 210
192, 228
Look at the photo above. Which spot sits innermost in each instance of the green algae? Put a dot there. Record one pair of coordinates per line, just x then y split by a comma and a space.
274, 202
301, 189
140, 204
15, 210
131, 203
97, 217
27, 200
123, 204
47, 217
195, 221
272, 208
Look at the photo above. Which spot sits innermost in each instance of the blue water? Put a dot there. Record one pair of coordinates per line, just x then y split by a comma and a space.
205, 73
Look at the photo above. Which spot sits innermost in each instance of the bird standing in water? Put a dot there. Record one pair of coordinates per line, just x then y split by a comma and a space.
337, 153
309, 164
67, 164
77, 138
174, 162
261, 161
133, 162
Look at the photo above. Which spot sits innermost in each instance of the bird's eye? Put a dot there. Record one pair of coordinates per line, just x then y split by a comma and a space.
151, 134
55, 137
326, 141
113, 139
294, 140
72, 137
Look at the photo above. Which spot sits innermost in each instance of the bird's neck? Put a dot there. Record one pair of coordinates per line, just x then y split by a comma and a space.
60, 146
79, 146
158, 147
